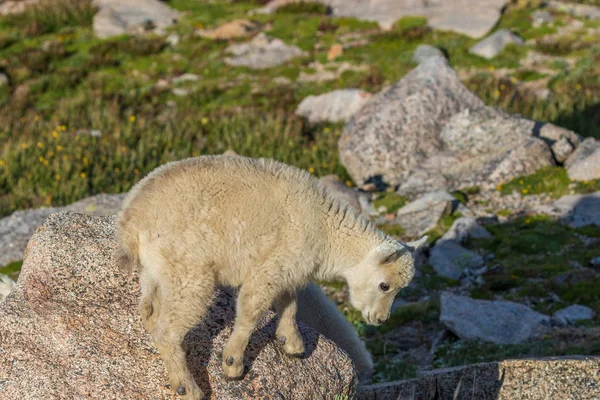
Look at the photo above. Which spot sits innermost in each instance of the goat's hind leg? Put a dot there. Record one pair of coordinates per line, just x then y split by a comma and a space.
149, 308
183, 307
287, 327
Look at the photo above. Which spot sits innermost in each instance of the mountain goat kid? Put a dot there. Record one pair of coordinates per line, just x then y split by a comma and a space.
260, 225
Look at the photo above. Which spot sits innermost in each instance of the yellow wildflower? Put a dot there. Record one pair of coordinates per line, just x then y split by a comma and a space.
37, 118
327, 130
497, 93
349, 183
578, 86
57, 177
492, 68
132, 118
513, 79
502, 87
311, 170
204, 121
521, 182
59, 148
83, 175
86, 161
54, 134
524, 191
1, 163
40, 145
499, 187
23, 145
527, 221
315, 147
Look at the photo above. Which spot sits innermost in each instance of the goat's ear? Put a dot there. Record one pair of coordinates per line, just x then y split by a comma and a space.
413, 246
389, 257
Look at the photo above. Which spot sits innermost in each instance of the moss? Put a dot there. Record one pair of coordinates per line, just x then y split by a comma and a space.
444, 224
303, 8
391, 201
393, 230
393, 370
505, 212
460, 196
529, 75
551, 180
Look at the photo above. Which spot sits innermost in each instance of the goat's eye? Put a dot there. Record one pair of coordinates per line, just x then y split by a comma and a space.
384, 286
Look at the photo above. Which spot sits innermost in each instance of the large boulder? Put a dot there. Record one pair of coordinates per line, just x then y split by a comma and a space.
584, 163
500, 322
17, 228
117, 17
422, 215
450, 260
572, 377
575, 210
71, 330
398, 129
470, 17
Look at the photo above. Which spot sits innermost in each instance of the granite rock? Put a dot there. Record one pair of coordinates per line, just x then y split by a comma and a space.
335, 106
71, 330
261, 52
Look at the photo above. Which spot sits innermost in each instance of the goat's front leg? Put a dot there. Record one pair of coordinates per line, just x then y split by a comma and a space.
254, 299
287, 327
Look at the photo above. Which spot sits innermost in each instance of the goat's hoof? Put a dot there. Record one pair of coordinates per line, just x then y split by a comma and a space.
229, 361
233, 368
181, 391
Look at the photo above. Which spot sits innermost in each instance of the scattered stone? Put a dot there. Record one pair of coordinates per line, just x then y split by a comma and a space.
493, 45
473, 18
185, 78
449, 259
422, 215
7, 286
572, 314
584, 163
500, 322
235, 29
335, 106
89, 132
173, 39
575, 210
595, 263
573, 277
335, 51
282, 80
230, 152
3, 79
261, 52
541, 17
425, 51
464, 228
17, 228
570, 377
16, 7
180, 92
73, 300
117, 17
576, 10
398, 130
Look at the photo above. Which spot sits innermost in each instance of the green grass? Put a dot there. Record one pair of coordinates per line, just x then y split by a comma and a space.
391, 201
12, 270
421, 311
551, 180
51, 16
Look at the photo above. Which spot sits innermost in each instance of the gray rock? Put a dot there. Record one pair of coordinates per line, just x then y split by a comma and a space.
3, 79
89, 132
595, 263
185, 78
73, 300
493, 45
398, 129
573, 313
117, 17
7, 286
173, 39
575, 210
423, 214
576, 10
347, 195
492, 147
464, 228
335, 106
473, 18
15, 7
570, 377
584, 163
541, 17
425, 51
17, 228
500, 322
449, 259
261, 52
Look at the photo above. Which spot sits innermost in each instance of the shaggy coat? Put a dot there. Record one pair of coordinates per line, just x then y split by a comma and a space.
265, 227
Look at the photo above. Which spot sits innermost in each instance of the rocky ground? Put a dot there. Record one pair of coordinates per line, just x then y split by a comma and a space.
412, 119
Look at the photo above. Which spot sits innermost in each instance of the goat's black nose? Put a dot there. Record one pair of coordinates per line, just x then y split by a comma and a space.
379, 321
